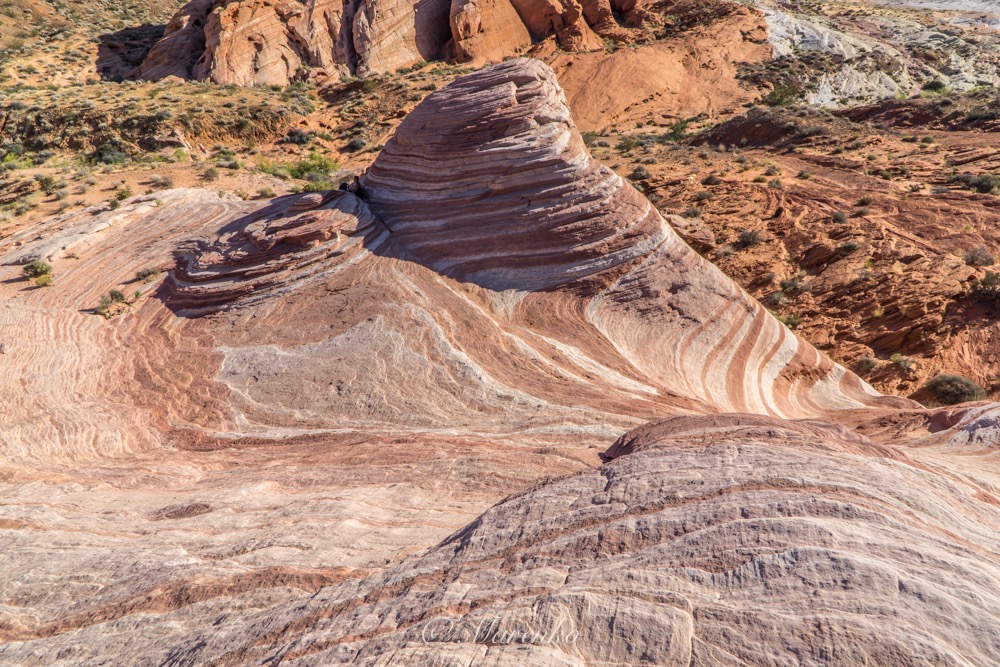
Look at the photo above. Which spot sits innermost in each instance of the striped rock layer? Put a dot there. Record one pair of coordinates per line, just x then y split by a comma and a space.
489, 182
340, 422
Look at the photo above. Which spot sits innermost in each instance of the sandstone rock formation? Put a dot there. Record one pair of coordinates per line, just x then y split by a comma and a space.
248, 42
278, 454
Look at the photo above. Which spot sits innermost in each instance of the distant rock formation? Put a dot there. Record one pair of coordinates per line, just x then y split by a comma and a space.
249, 42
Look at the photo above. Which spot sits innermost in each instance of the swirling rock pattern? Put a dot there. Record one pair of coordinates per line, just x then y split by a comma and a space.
719, 540
541, 214
278, 453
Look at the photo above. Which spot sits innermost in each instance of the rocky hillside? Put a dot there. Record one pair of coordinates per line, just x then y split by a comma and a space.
829, 53
323, 428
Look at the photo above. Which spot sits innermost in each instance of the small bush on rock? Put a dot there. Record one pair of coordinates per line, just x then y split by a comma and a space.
950, 389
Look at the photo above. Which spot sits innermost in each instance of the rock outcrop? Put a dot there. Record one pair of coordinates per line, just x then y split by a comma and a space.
296, 447
542, 214
706, 541
249, 42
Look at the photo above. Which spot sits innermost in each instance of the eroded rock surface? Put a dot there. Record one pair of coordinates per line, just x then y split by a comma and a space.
262, 457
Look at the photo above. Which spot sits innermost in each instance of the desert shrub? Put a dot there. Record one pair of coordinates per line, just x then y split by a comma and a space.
865, 201
935, 86
784, 95
866, 365
678, 130
36, 269
904, 363
46, 183
982, 113
693, 212
43, 281
147, 274
711, 179
355, 144
210, 174
791, 320
314, 167
640, 173
776, 184
949, 389
116, 296
979, 256
297, 136
804, 175
628, 143
109, 154
114, 204
983, 183
123, 193
850, 246
749, 237
839, 216
987, 290
724, 251
792, 284
703, 196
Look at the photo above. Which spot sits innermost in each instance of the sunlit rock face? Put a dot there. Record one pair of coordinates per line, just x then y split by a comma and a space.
334, 418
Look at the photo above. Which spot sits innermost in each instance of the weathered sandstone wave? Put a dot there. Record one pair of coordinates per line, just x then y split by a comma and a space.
278, 451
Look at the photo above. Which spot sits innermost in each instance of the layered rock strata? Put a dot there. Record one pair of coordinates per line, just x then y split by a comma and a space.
295, 449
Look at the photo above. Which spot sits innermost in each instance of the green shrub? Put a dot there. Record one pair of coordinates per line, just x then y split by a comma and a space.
147, 274
792, 321
640, 173
905, 363
627, 143
43, 281
866, 365
109, 154
839, 216
355, 144
36, 269
948, 389
313, 167
983, 183
979, 256
211, 174
987, 290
